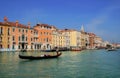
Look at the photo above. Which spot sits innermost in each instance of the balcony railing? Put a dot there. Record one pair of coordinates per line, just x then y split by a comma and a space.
35, 35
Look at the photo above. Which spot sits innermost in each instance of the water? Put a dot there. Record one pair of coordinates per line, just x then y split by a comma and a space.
84, 64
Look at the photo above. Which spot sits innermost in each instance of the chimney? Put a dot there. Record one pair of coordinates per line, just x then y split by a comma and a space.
5, 19
16, 23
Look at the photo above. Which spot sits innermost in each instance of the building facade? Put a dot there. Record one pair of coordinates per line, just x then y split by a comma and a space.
44, 36
15, 36
91, 40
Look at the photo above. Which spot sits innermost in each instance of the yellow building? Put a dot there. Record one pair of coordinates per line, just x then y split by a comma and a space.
66, 39
75, 38
55, 41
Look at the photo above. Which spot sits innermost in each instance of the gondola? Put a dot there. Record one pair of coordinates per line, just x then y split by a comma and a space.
39, 57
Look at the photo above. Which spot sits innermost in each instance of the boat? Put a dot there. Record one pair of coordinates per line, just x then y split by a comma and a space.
40, 57
75, 49
111, 49
52, 50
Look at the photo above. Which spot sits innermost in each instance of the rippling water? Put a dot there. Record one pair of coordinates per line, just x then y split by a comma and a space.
84, 64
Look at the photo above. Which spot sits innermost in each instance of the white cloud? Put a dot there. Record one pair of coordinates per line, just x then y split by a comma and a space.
93, 25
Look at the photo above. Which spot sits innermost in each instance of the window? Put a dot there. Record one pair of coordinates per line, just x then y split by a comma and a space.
23, 37
13, 46
26, 47
26, 31
47, 40
23, 30
31, 39
8, 31
0, 38
19, 38
19, 47
19, 30
1, 30
8, 46
31, 31
13, 29
0, 46
31, 47
26, 38
34, 32
13, 38
8, 39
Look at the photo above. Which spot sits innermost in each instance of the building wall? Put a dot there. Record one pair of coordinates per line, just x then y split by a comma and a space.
73, 38
4, 37
44, 35
91, 40
55, 38
12, 36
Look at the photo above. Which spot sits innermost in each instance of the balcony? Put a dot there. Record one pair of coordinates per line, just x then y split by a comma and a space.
36, 35
20, 42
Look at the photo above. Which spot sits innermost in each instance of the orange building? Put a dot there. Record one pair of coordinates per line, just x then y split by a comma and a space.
91, 40
15, 36
44, 35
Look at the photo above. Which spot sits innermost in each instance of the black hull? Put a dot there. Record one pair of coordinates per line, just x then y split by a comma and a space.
39, 57
111, 50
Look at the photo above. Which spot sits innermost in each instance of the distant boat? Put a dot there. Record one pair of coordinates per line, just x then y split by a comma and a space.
111, 49
40, 57
75, 49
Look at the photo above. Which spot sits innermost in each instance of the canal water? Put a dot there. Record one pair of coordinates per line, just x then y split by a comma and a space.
84, 64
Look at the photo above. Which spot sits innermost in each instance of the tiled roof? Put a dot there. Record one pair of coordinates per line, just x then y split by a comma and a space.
13, 24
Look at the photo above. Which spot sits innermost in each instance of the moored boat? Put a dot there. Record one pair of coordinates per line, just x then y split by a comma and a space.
111, 49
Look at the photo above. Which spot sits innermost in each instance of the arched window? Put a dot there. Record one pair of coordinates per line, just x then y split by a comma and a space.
19, 38
8, 46
13, 38
0, 46
23, 37
19, 47
13, 46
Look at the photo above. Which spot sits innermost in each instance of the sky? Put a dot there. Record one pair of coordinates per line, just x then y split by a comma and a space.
101, 17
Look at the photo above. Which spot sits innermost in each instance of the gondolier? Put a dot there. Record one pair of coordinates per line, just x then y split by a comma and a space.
57, 50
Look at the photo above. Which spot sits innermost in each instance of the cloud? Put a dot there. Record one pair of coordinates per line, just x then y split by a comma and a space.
100, 21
